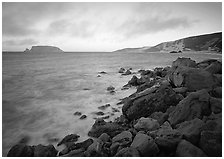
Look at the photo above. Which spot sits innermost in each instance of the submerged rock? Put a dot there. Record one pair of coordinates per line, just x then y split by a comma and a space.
186, 149
69, 138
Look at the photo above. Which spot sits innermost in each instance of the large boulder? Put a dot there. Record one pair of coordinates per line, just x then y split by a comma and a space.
100, 127
195, 105
147, 124
186, 149
191, 130
184, 62
44, 151
68, 139
145, 145
20, 150
148, 102
123, 138
211, 143
128, 152
192, 78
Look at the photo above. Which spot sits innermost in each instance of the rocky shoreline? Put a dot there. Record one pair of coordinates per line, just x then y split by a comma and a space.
176, 111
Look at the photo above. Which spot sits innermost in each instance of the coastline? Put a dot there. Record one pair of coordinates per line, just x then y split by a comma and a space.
127, 135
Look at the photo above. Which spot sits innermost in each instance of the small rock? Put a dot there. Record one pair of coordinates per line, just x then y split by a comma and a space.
98, 76
83, 117
77, 113
128, 72
186, 149
114, 110
122, 70
103, 107
99, 113
128, 152
102, 72
105, 117
148, 124
145, 145
110, 88
69, 138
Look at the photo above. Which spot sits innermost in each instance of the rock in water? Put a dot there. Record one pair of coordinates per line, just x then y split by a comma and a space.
195, 105
147, 103
128, 152
83, 117
100, 127
121, 70
20, 150
186, 149
44, 151
69, 138
147, 124
145, 145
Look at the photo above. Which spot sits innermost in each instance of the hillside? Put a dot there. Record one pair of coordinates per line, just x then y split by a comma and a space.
44, 49
208, 42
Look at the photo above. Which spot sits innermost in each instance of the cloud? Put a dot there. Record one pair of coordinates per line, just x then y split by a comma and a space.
20, 42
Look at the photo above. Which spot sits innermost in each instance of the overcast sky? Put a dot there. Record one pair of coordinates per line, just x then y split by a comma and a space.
105, 26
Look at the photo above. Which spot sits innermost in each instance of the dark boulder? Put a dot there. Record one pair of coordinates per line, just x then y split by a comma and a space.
217, 92
84, 145
211, 143
83, 117
214, 68
75, 153
96, 149
186, 149
128, 152
146, 124
69, 138
195, 105
122, 70
179, 62
191, 130
99, 113
20, 150
104, 137
150, 101
145, 145
44, 151
133, 81
103, 107
124, 138
100, 127
77, 113
128, 72
110, 88
160, 117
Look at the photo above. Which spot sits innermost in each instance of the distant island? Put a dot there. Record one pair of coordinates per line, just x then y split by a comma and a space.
44, 49
206, 42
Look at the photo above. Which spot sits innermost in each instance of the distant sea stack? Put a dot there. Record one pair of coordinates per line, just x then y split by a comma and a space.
206, 42
44, 49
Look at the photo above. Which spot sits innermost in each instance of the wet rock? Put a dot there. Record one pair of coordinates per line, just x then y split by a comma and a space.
128, 152
179, 62
102, 72
77, 113
20, 150
75, 153
147, 124
211, 143
122, 70
100, 127
81, 145
191, 130
216, 105
69, 138
146, 103
195, 105
159, 116
104, 137
110, 88
133, 81
192, 78
168, 139
44, 151
145, 145
186, 149
99, 113
103, 107
83, 117
128, 72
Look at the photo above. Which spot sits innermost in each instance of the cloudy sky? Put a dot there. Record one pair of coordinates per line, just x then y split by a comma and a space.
104, 26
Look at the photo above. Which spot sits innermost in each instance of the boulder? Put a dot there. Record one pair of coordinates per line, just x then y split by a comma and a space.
44, 151
81, 145
103, 107
147, 124
128, 152
104, 137
192, 78
124, 138
205, 63
214, 68
216, 105
159, 116
69, 138
133, 81
211, 143
217, 92
145, 145
77, 113
96, 149
99, 113
146, 103
191, 130
110, 88
179, 62
122, 70
186, 149
83, 117
167, 139
100, 127
128, 72
195, 105
20, 150
213, 123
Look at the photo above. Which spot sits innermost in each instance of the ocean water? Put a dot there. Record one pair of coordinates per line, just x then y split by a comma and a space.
40, 92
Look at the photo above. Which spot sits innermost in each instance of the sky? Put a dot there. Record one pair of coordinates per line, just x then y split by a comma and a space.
76, 26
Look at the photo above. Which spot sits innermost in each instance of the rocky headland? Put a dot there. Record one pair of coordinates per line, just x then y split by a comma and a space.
44, 49
176, 111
